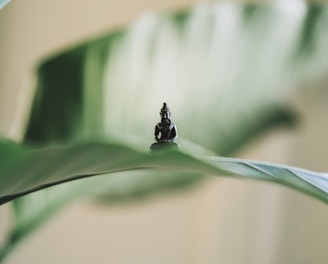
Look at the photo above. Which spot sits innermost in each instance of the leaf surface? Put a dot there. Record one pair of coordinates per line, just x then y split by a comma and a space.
42, 168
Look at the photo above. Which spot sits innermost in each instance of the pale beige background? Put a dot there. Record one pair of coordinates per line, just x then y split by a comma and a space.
221, 221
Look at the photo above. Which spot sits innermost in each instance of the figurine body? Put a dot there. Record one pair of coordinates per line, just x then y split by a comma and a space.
165, 131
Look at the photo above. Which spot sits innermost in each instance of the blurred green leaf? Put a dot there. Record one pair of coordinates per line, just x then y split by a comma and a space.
223, 69
3, 3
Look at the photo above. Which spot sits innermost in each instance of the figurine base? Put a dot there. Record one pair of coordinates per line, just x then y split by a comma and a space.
164, 145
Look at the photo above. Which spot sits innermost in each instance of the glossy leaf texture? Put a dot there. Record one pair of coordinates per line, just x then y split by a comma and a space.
33, 170
43, 168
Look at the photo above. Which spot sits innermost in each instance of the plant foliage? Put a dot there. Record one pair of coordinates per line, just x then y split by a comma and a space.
223, 69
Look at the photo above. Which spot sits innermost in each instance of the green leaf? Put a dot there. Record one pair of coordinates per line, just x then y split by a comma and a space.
38, 169
222, 71
3, 3
47, 167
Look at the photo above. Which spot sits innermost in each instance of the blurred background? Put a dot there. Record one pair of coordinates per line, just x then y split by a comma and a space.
244, 79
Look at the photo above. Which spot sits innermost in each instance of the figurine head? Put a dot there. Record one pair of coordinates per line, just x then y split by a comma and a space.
165, 112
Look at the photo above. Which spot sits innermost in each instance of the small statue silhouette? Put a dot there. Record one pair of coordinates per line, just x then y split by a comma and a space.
165, 131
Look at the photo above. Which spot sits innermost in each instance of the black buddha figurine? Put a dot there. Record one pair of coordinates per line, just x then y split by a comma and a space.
165, 131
